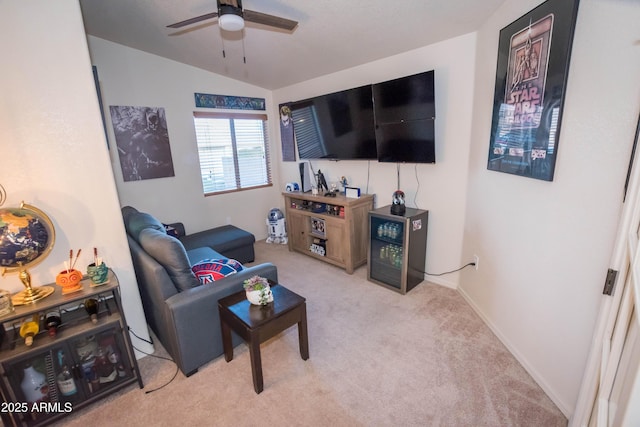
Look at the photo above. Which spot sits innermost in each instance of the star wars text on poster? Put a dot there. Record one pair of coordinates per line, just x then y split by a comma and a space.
527, 74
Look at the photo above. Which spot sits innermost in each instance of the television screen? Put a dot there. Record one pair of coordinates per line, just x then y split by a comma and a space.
406, 98
407, 142
337, 126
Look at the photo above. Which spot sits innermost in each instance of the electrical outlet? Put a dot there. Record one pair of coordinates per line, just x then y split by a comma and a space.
476, 260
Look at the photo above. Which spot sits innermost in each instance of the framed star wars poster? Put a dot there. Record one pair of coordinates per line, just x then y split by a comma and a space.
531, 78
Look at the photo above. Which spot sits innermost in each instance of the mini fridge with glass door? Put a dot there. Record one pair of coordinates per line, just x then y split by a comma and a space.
397, 248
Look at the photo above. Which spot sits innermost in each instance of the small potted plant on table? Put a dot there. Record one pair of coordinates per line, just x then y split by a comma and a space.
258, 290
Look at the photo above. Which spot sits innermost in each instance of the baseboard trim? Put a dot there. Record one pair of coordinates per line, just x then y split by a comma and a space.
440, 281
564, 408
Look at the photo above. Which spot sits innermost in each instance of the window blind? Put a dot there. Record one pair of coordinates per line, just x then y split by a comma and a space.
233, 151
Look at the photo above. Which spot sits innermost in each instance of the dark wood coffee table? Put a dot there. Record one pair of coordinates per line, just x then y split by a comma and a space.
256, 324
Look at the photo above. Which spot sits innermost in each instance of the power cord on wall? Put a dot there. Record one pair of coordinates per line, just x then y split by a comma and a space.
415, 195
368, 175
415, 202
139, 337
156, 356
469, 264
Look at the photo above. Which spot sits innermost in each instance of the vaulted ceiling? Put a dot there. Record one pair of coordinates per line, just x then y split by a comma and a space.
331, 35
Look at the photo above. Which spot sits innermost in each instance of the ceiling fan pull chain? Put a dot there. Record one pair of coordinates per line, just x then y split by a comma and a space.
224, 55
244, 55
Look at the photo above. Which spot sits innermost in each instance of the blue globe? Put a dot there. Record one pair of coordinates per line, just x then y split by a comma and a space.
26, 237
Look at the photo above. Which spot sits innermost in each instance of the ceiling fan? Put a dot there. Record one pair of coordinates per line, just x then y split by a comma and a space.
231, 17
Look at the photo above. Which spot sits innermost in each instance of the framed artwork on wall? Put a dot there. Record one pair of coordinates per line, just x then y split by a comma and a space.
206, 100
531, 77
286, 134
142, 140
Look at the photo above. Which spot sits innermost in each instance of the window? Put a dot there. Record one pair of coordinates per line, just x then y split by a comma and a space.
233, 151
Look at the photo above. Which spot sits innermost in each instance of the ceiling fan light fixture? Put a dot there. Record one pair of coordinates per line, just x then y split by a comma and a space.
231, 22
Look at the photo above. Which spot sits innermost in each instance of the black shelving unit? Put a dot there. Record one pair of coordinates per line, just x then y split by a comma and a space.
397, 248
99, 356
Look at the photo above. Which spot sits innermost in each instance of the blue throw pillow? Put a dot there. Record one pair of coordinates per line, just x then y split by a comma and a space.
210, 270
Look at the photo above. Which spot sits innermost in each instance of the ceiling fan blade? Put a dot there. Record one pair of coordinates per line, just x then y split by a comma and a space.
193, 20
270, 20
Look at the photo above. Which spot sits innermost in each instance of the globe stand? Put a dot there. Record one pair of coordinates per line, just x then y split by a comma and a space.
26, 238
30, 294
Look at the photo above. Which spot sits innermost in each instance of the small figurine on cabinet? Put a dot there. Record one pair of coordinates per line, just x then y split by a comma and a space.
344, 183
322, 182
397, 205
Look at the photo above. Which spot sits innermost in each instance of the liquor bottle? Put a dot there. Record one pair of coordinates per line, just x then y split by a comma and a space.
29, 328
105, 369
51, 321
91, 305
116, 360
66, 383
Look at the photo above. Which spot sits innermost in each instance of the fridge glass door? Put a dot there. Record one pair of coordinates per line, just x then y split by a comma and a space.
386, 250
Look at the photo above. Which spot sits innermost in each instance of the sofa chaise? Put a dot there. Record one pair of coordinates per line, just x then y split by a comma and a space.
181, 311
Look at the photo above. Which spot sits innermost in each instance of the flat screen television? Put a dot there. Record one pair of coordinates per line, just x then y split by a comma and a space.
407, 142
406, 98
336, 126
405, 112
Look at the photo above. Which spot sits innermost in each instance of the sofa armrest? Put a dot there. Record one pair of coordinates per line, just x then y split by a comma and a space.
194, 319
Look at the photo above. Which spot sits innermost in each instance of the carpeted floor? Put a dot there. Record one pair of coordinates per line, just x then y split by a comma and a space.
377, 358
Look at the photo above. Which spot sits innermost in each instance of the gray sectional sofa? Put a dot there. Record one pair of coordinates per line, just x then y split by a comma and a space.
183, 313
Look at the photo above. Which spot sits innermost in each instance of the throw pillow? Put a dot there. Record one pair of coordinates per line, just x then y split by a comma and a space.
170, 253
210, 270
138, 221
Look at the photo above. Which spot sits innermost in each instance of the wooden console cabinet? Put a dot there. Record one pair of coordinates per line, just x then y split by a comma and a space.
83, 363
332, 229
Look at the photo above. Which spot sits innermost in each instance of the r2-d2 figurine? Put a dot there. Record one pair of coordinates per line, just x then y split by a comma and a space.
277, 227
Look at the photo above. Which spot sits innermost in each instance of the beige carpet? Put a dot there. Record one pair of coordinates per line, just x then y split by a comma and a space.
377, 358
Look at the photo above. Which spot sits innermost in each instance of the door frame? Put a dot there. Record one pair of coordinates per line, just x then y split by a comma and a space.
616, 310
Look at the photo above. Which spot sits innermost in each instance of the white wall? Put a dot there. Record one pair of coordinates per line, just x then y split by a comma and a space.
132, 77
544, 247
439, 188
54, 152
